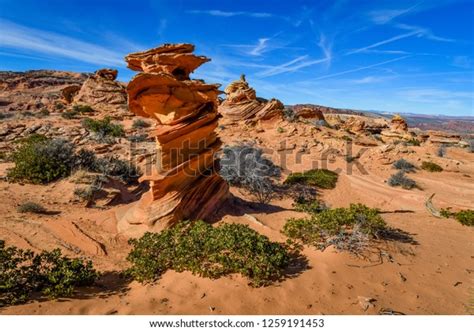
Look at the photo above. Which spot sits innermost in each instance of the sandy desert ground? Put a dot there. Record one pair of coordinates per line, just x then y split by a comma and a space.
432, 274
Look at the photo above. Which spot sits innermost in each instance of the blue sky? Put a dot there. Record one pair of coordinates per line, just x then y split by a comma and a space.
399, 56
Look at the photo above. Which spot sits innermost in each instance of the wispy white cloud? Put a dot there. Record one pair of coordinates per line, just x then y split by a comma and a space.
220, 13
260, 48
379, 51
44, 42
370, 80
383, 42
361, 68
301, 61
423, 32
386, 15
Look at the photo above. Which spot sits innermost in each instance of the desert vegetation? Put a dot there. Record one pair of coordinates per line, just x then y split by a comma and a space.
404, 165
431, 166
245, 166
401, 179
322, 178
209, 252
41, 160
49, 274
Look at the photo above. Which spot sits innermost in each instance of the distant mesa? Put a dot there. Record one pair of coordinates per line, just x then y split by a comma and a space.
184, 183
242, 104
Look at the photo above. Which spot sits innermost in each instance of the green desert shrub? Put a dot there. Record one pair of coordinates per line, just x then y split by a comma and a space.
31, 207
465, 217
44, 112
413, 142
321, 228
400, 179
40, 160
245, 166
404, 165
431, 166
49, 274
210, 252
103, 127
308, 205
82, 109
139, 123
70, 115
322, 178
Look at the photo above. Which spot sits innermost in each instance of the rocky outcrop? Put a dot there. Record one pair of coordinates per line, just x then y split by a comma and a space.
36, 89
184, 183
398, 130
309, 113
242, 104
100, 91
398, 124
354, 125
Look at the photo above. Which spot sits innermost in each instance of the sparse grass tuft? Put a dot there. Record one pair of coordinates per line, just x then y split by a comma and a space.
31, 207
82, 109
139, 124
209, 252
431, 166
322, 178
400, 179
70, 115
404, 165
413, 142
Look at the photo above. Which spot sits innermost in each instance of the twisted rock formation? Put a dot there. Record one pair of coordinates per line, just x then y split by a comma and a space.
184, 183
101, 91
242, 103
398, 124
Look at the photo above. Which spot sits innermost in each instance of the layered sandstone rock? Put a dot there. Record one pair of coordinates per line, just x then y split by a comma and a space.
35, 90
184, 183
100, 91
309, 113
398, 129
242, 104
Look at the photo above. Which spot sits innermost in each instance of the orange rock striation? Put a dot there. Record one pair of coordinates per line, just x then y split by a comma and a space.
184, 183
242, 103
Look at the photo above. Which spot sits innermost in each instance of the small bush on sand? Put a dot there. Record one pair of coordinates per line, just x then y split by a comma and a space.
331, 226
44, 112
208, 252
137, 138
404, 165
103, 128
400, 179
49, 273
441, 152
245, 166
40, 160
322, 178
413, 142
431, 166
118, 168
465, 217
82, 109
59, 105
139, 123
70, 115
290, 115
31, 207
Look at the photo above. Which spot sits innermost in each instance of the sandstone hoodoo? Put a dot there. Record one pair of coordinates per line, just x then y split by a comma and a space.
101, 91
242, 103
184, 183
